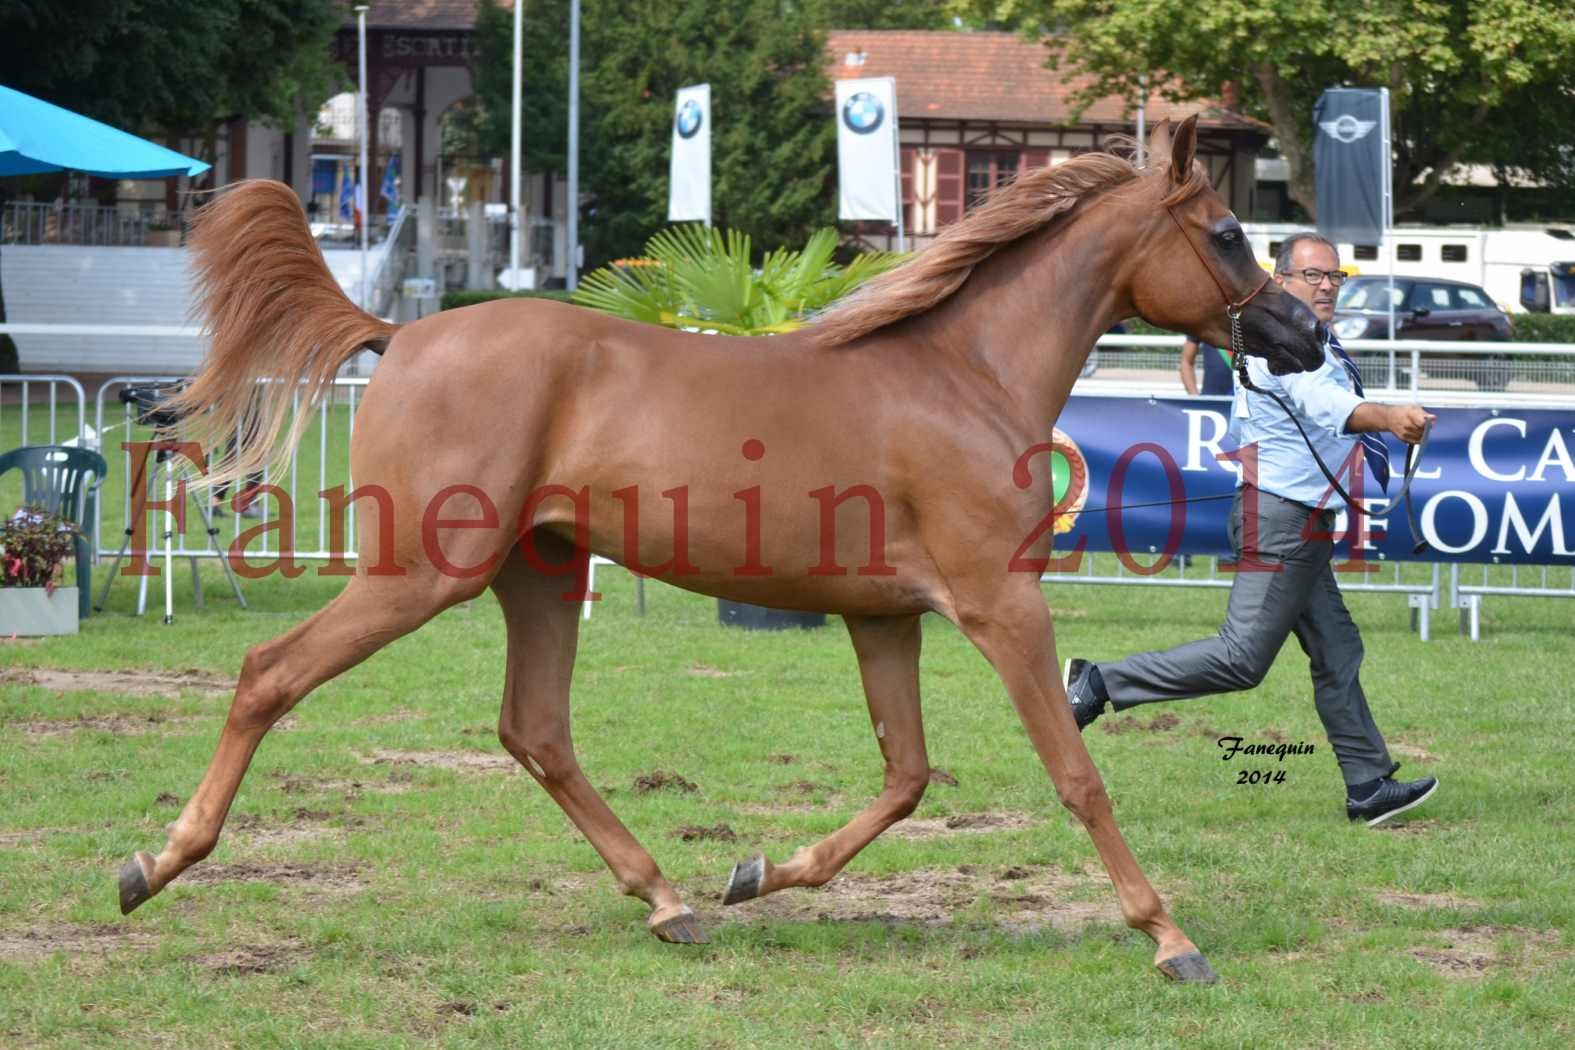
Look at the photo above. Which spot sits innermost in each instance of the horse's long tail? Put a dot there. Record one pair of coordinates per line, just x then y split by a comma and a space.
272, 311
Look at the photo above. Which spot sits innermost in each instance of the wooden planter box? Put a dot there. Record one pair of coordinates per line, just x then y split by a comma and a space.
31, 611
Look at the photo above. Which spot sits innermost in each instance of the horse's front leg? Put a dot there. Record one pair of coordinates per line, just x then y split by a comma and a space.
888, 652
1014, 633
534, 727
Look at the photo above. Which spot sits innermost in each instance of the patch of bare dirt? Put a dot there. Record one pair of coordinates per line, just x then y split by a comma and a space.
1424, 900
397, 783
332, 879
45, 939
463, 761
1472, 951
124, 683
960, 824
782, 760
714, 833
662, 781
116, 724
1026, 902
252, 831
940, 776
707, 671
804, 787
245, 960
1408, 827
1158, 724
1416, 754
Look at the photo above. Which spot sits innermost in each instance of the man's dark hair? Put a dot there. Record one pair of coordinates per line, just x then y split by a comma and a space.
1282, 261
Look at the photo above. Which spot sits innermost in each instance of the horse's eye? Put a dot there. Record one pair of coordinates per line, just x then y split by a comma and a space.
1229, 237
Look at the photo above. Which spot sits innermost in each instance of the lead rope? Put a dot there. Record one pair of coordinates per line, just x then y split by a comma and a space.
1413, 453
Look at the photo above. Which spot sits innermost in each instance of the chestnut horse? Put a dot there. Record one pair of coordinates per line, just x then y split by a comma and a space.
536, 424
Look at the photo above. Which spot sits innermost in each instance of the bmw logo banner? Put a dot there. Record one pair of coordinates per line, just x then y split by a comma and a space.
867, 149
689, 176
1351, 155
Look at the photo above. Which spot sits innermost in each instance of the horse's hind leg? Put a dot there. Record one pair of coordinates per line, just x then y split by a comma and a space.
1013, 632
888, 652
534, 726
367, 615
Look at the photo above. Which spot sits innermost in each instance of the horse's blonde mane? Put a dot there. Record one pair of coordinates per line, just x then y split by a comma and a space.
1028, 203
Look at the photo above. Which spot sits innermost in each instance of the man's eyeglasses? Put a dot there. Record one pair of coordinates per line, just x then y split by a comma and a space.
1315, 277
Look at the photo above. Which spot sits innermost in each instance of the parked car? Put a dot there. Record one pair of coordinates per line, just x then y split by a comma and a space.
1429, 308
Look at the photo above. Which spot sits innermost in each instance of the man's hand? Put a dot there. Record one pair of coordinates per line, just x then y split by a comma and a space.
1406, 422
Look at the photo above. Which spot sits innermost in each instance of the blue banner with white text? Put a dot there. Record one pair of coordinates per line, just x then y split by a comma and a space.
1496, 485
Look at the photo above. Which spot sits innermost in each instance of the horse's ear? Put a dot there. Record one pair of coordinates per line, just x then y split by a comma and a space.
1159, 141
1183, 150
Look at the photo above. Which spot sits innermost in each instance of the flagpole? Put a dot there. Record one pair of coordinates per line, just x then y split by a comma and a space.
1142, 117
366, 199
514, 148
573, 272
896, 167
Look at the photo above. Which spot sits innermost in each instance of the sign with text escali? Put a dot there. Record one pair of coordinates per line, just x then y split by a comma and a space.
412, 48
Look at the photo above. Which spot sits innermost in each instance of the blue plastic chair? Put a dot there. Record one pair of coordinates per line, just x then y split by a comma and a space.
65, 482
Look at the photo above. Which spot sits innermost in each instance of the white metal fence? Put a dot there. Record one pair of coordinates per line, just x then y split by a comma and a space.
322, 462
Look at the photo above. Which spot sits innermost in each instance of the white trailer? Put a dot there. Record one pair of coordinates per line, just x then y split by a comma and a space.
1521, 267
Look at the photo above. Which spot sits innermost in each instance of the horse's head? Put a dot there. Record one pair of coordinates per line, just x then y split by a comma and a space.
1196, 269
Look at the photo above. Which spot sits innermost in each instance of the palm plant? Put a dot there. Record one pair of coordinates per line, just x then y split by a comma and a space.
700, 278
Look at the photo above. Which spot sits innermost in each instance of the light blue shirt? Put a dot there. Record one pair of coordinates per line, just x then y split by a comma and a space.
1323, 401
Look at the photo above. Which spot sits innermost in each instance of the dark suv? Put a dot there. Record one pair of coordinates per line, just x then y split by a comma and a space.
1429, 308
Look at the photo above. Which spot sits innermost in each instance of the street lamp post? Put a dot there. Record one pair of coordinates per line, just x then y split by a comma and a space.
514, 149
361, 120
572, 280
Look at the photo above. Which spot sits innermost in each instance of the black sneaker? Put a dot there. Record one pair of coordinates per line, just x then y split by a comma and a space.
1086, 702
1391, 797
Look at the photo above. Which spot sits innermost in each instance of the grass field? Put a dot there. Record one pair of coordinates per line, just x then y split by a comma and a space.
388, 878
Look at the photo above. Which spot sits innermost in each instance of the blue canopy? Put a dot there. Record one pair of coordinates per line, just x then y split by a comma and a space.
36, 136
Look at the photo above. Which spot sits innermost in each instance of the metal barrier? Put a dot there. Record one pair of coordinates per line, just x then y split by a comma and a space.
1421, 597
54, 383
1544, 373
342, 401
1540, 371
27, 222
1467, 597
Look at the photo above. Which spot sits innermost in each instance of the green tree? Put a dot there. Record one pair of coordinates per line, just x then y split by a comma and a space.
168, 69
772, 144
1470, 81
885, 14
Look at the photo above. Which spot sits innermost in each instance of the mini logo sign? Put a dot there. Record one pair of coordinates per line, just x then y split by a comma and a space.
688, 120
1068, 480
1347, 128
863, 113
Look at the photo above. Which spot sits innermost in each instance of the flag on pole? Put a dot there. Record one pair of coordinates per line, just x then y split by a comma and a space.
867, 149
347, 194
1351, 156
389, 191
689, 179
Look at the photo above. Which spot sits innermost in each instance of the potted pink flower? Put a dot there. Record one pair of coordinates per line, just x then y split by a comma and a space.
34, 546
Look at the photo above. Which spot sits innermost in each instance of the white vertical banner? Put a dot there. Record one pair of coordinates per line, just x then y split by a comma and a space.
689, 176
867, 150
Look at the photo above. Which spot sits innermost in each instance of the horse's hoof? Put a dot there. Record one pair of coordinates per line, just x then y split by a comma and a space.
744, 883
1190, 968
134, 882
682, 928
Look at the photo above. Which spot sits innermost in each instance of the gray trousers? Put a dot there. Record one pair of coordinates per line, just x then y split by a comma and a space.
1296, 594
